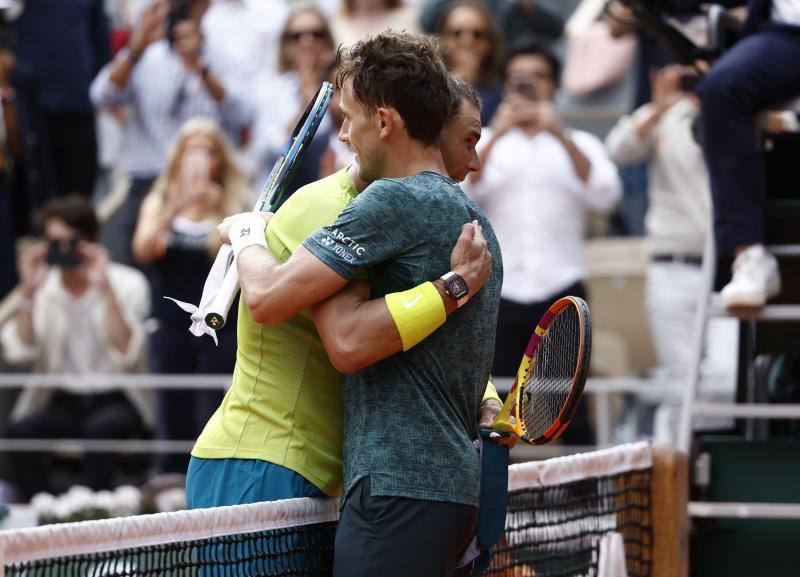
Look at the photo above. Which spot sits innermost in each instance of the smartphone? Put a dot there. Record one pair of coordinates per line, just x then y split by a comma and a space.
522, 85
63, 253
196, 163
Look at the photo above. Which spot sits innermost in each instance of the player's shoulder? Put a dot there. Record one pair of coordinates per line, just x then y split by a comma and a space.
336, 185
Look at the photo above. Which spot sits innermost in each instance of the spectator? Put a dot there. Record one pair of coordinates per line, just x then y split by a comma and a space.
165, 82
679, 210
473, 50
518, 20
360, 18
61, 45
305, 58
80, 315
236, 31
760, 70
176, 234
537, 183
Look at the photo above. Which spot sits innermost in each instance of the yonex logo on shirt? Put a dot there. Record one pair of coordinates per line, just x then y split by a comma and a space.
244, 232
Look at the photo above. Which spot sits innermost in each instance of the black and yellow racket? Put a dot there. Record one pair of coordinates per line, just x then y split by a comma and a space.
551, 377
273, 194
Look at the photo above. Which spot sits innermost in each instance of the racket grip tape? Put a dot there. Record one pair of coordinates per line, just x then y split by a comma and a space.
218, 310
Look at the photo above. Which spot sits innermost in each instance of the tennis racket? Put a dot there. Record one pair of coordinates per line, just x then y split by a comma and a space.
273, 194
551, 377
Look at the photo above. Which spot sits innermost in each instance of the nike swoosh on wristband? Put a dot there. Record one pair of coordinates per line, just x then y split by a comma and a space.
412, 302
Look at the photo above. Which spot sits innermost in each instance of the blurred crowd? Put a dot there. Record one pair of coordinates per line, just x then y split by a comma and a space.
132, 127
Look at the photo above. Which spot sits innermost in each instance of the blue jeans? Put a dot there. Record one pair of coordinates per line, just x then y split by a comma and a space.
760, 70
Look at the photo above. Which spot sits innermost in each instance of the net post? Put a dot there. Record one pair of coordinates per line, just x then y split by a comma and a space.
670, 488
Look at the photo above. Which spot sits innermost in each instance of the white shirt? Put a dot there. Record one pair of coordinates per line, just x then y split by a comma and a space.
83, 354
537, 206
162, 95
242, 39
678, 214
786, 12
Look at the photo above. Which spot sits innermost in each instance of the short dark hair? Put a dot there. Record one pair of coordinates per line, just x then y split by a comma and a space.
463, 91
536, 48
404, 71
75, 210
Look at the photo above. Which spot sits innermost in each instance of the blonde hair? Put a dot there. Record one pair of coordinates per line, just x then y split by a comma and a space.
237, 196
236, 192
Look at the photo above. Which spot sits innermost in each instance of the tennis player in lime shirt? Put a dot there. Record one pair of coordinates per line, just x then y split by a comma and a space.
278, 432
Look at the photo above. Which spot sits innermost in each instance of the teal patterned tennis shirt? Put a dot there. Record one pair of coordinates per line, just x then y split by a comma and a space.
410, 419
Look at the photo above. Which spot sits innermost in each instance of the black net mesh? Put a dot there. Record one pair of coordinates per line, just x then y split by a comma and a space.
305, 550
556, 531
548, 385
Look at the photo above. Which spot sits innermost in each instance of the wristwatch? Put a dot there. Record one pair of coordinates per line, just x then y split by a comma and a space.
456, 288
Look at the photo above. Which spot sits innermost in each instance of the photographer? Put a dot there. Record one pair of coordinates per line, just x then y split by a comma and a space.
760, 70
539, 180
79, 315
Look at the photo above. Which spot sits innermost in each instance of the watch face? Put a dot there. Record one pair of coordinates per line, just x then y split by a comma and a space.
456, 287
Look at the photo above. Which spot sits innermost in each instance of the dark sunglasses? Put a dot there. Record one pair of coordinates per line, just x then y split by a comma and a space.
318, 34
459, 32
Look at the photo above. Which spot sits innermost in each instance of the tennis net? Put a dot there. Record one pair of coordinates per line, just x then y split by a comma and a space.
560, 515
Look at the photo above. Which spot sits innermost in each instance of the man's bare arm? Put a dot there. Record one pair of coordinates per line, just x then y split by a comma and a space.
275, 292
358, 332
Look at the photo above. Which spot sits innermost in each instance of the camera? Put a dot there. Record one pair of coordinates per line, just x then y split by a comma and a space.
63, 253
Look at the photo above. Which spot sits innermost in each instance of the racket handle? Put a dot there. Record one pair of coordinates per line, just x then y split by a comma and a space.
502, 421
219, 308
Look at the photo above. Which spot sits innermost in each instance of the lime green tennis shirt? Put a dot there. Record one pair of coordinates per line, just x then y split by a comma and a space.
285, 402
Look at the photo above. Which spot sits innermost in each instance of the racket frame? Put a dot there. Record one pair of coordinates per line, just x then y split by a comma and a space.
513, 405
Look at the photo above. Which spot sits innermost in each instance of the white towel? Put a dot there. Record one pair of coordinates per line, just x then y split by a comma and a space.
222, 263
612, 556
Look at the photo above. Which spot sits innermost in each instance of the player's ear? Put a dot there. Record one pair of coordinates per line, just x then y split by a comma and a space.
387, 121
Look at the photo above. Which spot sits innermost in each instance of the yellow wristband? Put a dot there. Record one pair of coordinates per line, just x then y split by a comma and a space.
491, 393
416, 313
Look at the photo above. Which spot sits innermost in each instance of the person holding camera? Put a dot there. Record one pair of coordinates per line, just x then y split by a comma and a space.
79, 314
538, 181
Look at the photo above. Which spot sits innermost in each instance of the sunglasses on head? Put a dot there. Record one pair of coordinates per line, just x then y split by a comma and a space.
318, 34
459, 32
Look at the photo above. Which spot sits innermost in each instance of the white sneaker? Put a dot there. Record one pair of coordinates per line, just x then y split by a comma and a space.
755, 279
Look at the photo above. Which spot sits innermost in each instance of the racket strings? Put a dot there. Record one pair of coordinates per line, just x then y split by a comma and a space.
548, 386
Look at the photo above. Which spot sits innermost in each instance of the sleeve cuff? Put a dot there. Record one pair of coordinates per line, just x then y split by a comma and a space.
490, 394
15, 351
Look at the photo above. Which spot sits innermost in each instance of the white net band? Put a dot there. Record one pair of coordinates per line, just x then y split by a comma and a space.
140, 531
561, 470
